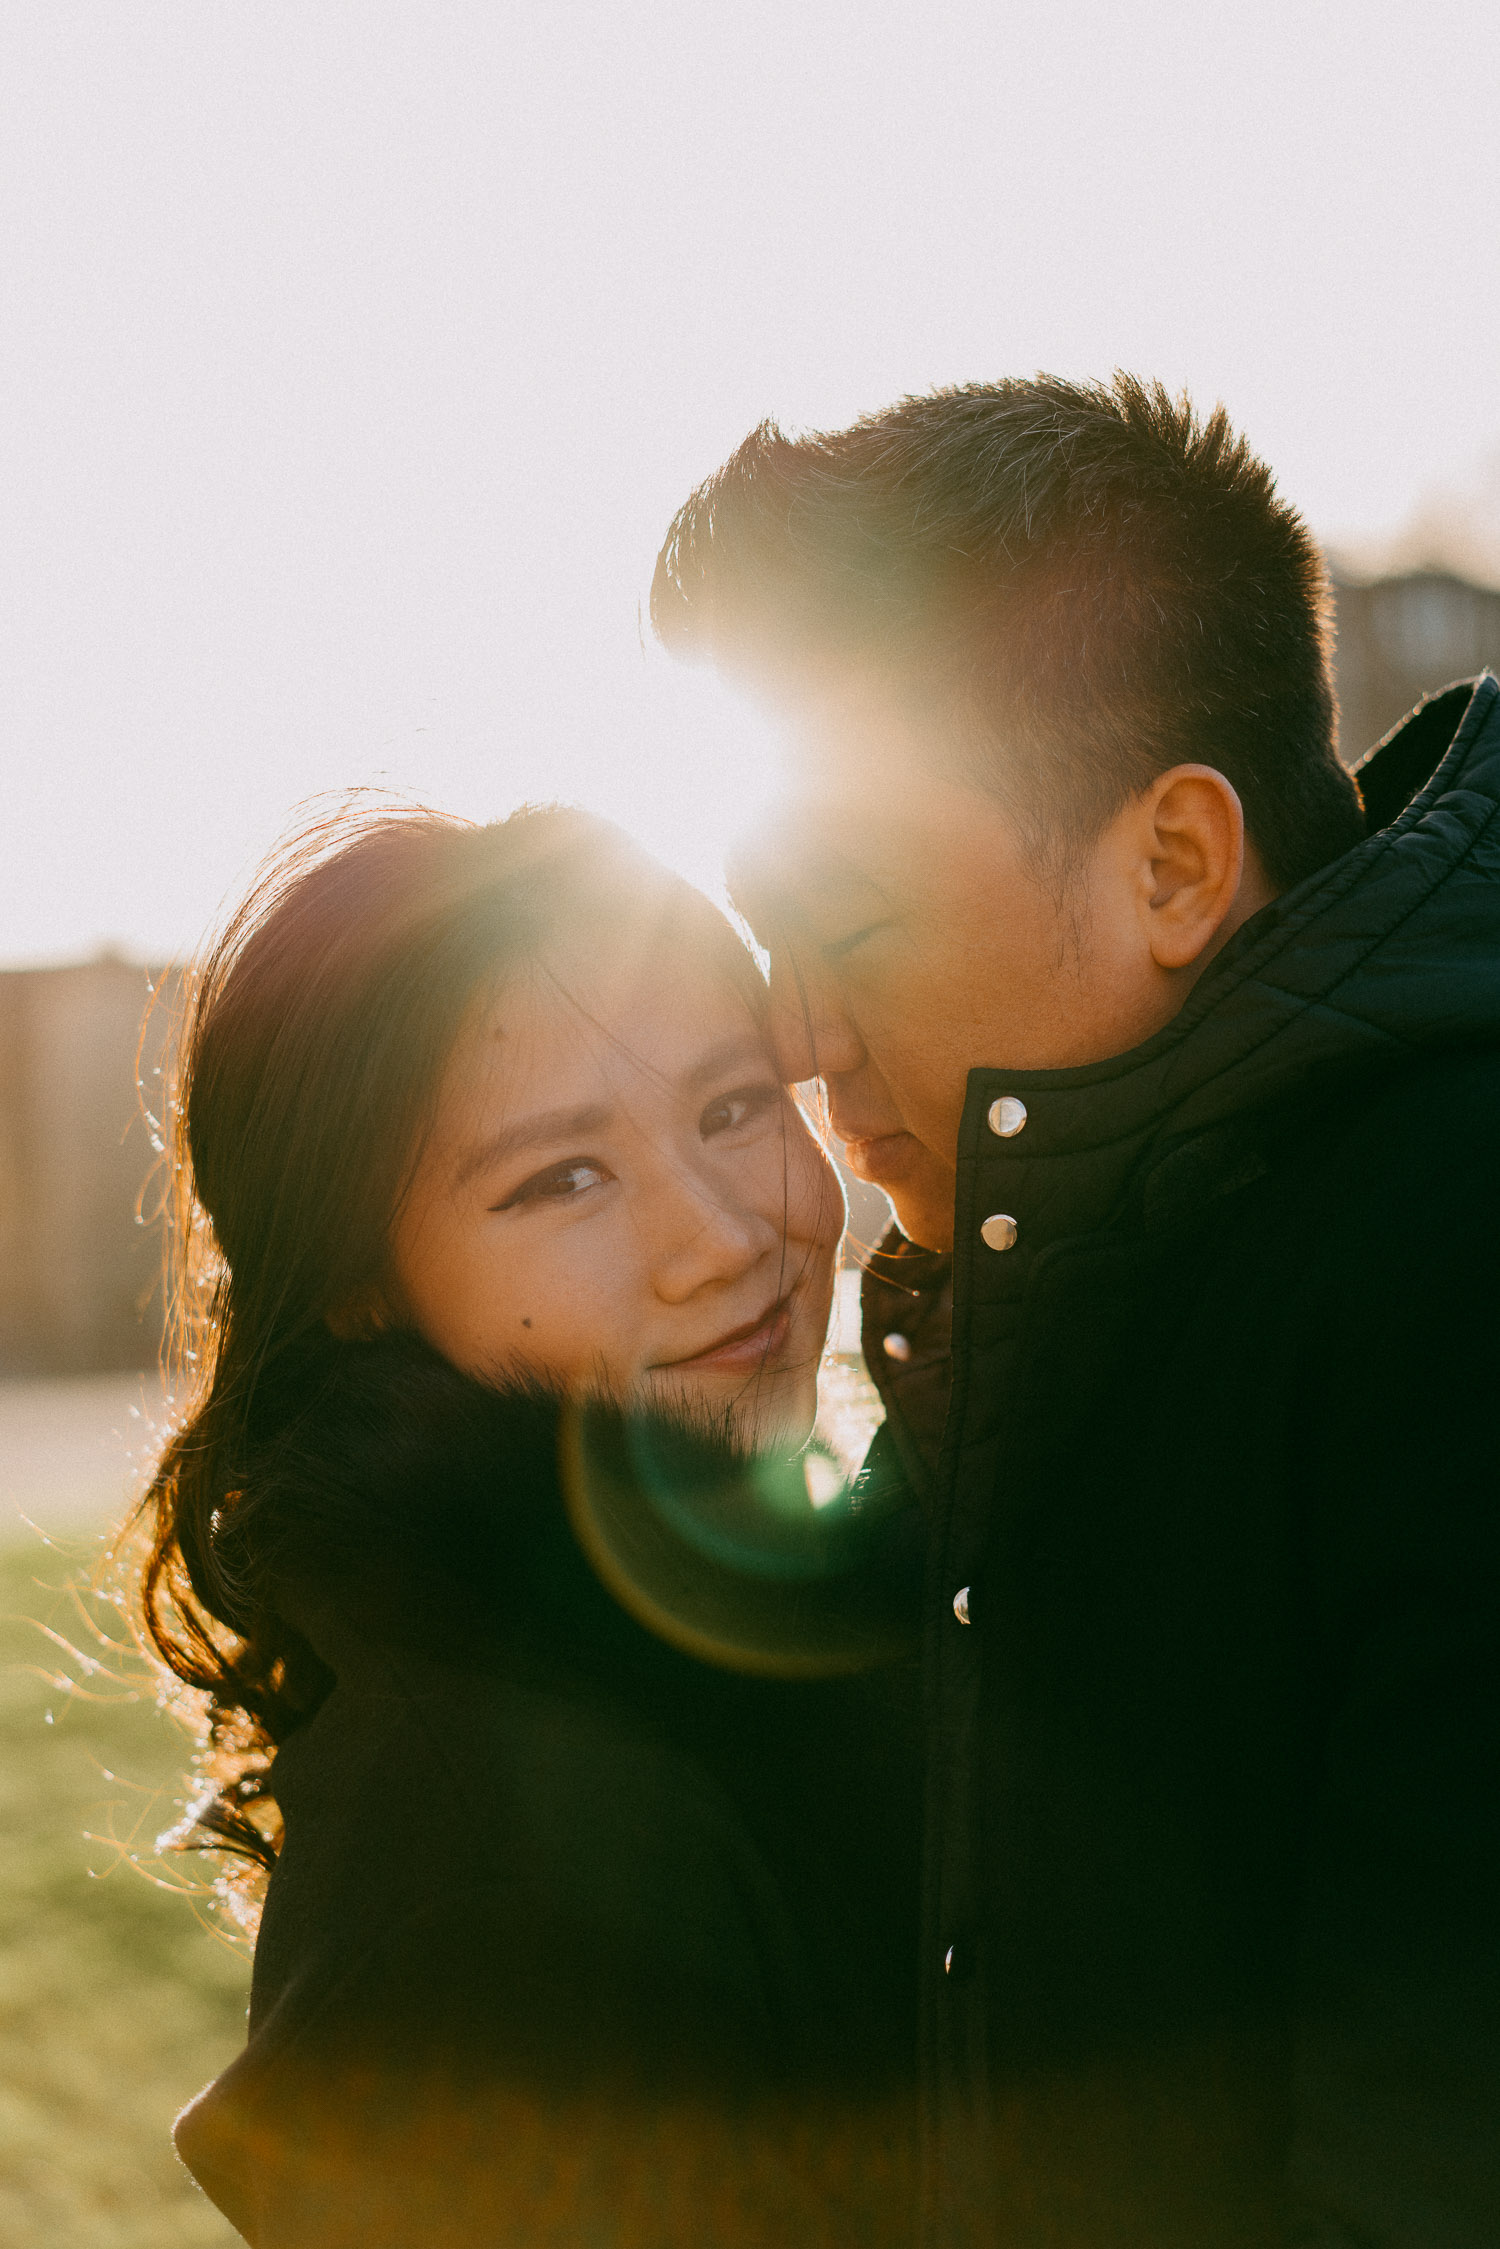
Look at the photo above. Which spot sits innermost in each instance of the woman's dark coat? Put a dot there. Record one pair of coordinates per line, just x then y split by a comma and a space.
572, 1940
1211, 1932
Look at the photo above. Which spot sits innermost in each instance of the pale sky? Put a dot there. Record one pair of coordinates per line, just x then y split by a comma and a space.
355, 357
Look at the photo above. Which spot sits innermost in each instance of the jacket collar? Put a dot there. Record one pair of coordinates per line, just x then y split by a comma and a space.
1391, 950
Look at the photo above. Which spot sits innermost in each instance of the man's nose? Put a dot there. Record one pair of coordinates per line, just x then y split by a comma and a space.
810, 1030
705, 1237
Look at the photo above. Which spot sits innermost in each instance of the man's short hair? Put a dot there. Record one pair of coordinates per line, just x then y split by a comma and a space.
1095, 583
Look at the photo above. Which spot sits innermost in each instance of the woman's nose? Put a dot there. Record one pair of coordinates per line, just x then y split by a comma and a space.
706, 1238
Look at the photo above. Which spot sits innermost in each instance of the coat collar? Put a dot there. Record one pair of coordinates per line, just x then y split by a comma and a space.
1391, 951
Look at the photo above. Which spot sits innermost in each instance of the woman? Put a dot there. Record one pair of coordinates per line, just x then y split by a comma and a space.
489, 1542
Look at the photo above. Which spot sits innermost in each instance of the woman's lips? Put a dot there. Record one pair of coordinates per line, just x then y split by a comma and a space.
742, 1348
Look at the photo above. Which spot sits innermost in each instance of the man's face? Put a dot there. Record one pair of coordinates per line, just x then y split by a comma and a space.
912, 939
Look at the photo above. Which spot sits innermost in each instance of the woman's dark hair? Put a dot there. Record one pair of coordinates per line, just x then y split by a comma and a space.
315, 1032
1093, 581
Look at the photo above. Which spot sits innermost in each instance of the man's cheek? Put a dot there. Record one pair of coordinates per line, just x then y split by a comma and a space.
933, 1082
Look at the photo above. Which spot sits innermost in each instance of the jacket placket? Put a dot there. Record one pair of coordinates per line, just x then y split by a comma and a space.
989, 1287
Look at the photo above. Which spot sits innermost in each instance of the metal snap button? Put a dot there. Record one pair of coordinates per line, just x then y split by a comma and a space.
896, 1347
1007, 1115
961, 1604
999, 1232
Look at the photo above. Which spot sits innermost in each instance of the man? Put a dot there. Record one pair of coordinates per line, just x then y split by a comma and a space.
1190, 1057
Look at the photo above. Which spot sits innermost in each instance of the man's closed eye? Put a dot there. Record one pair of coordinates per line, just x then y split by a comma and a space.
842, 946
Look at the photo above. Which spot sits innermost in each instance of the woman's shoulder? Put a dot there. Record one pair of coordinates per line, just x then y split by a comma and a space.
536, 1893
576, 1822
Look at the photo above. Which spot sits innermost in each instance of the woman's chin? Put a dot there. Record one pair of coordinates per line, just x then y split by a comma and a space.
781, 1419
773, 1412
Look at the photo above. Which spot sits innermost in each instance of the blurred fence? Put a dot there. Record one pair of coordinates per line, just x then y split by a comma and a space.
80, 1289
1398, 638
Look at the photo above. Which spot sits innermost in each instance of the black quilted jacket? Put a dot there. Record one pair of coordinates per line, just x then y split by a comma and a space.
1211, 1929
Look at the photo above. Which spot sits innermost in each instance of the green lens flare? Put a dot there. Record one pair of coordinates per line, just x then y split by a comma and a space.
767, 1563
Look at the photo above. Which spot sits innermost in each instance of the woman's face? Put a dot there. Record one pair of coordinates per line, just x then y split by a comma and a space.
619, 1196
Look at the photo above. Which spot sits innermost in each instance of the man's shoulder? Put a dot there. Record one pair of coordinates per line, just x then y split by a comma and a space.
1392, 1193
1428, 1126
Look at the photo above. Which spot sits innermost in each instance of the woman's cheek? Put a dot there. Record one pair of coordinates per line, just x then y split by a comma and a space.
579, 1327
816, 1211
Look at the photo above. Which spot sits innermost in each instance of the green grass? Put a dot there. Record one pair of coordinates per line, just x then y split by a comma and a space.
117, 2002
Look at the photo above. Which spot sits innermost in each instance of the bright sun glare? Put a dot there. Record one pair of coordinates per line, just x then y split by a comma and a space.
690, 771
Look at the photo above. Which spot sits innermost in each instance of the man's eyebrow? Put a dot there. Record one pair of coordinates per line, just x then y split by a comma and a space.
782, 908
543, 1130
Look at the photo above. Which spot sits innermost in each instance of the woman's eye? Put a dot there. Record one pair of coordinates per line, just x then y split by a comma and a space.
559, 1183
741, 1107
842, 945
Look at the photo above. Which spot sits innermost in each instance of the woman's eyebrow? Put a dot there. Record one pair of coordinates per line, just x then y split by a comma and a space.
551, 1125
728, 1056
540, 1131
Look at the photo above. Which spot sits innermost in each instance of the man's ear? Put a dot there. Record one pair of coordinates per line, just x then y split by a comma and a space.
1194, 892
